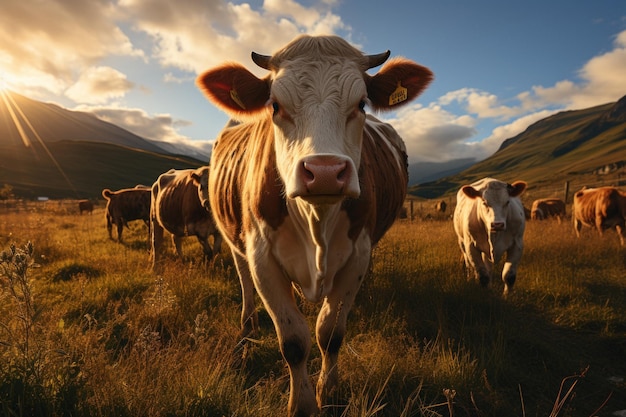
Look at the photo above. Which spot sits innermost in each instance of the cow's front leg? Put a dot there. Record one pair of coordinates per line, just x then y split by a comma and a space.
157, 244
120, 230
621, 232
480, 267
177, 241
206, 248
331, 326
509, 271
249, 315
294, 337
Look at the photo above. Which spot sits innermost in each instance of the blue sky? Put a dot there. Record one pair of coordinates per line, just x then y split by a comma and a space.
499, 66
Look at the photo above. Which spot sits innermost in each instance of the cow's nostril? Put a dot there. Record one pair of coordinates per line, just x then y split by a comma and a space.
307, 173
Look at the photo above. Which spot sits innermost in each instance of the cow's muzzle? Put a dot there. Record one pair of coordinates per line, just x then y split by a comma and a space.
498, 226
326, 176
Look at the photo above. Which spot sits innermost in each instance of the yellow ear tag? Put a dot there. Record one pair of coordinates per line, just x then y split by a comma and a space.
399, 95
236, 99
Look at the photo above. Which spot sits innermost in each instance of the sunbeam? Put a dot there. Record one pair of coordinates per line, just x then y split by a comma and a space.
12, 108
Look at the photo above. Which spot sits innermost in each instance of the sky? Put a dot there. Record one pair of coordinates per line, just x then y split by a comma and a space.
499, 66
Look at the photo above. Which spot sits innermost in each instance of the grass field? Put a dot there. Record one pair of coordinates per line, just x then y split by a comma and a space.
88, 330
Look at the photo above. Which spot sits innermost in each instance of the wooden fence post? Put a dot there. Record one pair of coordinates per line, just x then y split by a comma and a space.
566, 191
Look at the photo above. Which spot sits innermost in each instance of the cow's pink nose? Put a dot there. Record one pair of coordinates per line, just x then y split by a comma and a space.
324, 175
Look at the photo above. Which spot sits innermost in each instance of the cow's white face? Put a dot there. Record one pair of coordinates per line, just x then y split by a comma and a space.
493, 202
318, 117
494, 207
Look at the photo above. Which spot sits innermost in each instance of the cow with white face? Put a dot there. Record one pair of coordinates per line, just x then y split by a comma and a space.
306, 185
489, 221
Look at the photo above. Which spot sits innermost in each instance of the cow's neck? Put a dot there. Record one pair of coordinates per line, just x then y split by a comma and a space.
317, 226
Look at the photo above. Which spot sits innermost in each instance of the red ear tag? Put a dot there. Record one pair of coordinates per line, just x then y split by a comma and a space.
236, 99
399, 95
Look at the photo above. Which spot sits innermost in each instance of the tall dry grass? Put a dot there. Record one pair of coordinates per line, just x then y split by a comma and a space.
108, 338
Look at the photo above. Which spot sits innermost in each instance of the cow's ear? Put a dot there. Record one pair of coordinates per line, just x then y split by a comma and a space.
196, 176
398, 82
470, 191
235, 90
517, 188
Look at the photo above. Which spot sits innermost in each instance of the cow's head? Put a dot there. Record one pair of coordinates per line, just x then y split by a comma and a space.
315, 94
200, 178
493, 206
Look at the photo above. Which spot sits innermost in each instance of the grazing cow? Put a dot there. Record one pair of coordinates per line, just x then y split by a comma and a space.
489, 221
124, 206
441, 206
306, 185
180, 205
602, 208
85, 205
547, 207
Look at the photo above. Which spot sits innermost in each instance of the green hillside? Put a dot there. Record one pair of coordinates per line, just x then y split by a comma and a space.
568, 146
74, 169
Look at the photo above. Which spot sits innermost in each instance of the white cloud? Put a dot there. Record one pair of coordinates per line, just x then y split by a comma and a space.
98, 85
193, 35
601, 81
491, 144
432, 133
161, 127
60, 40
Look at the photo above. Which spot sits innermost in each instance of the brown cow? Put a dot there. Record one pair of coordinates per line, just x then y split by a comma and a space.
180, 205
544, 208
124, 206
85, 205
603, 208
306, 186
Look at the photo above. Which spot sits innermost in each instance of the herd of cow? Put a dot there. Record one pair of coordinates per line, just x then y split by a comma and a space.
304, 183
177, 202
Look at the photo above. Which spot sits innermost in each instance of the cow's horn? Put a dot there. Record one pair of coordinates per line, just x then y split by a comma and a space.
262, 61
378, 59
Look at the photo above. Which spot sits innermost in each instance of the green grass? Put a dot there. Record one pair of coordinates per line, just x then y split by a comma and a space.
105, 337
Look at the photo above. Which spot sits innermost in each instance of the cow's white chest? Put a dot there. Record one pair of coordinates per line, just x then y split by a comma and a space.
311, 250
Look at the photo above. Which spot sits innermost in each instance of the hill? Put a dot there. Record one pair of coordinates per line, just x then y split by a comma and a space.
23, 120
59, 153
75, 169
578, 145
421, 172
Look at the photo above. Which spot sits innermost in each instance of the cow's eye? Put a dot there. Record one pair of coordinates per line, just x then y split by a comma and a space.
362, 105
275, 107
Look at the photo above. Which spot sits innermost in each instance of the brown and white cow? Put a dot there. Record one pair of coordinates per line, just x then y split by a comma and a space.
489, 221
603, 208
545, 208
306, 185
85, 205
180, 205
126, 205
441, 206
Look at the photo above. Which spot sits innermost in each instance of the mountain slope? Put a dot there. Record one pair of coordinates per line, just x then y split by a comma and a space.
568, 145
23, 119
421, 172
59, 153
77, 169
